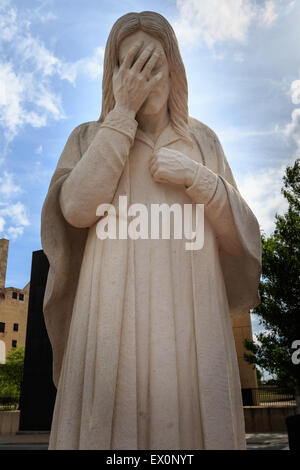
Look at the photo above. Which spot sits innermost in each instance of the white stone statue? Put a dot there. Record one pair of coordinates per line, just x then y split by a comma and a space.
143, 349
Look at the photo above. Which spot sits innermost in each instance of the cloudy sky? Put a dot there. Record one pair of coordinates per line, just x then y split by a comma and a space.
243, 67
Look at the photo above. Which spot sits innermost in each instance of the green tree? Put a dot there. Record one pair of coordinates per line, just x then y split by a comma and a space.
11, 374
279, 310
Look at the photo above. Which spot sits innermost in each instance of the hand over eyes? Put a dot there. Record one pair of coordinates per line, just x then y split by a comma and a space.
133, 80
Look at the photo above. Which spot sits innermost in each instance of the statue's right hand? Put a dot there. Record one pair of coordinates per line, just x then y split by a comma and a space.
134, 80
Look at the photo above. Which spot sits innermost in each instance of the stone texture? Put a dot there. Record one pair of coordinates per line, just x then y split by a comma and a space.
144, 354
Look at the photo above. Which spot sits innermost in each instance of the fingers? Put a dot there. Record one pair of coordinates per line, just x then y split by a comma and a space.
142, 59
151, 63
127, 63
155, 170
158, 166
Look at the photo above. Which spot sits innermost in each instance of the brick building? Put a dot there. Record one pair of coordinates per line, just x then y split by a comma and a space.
13, 309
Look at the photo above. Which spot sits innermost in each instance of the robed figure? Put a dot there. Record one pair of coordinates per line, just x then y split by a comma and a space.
143, 349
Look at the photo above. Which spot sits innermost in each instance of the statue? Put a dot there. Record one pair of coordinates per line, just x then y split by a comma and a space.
143, 349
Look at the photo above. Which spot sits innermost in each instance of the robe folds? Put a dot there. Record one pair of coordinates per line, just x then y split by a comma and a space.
143, 349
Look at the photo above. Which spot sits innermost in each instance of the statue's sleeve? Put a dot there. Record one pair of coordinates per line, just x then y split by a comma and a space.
94, 178
235, 227
64, 243
63, 246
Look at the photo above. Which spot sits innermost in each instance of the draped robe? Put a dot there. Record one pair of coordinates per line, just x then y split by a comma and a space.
143, 349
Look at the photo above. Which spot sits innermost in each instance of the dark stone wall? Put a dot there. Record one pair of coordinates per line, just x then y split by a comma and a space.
37, 390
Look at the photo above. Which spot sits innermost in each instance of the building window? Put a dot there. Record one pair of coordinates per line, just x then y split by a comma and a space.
21, 296
16, 327
14, 295
14, 343
2, 327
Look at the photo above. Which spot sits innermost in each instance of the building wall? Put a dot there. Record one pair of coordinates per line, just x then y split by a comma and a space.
9, 421
242, 330
13, 308
3, 260
13, 313
267, 419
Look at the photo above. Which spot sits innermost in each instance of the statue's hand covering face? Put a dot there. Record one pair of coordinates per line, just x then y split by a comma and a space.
143, 349
159, 95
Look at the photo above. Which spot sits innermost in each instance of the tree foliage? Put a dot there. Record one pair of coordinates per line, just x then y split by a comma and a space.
11, 373
279, 310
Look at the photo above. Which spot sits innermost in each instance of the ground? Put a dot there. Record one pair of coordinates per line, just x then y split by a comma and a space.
39, 441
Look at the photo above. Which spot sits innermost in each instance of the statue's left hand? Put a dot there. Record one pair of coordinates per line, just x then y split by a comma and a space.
171, 166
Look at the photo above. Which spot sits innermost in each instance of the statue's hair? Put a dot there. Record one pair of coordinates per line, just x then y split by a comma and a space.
157, 26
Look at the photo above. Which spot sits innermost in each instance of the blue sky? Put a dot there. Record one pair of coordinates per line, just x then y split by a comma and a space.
243, 67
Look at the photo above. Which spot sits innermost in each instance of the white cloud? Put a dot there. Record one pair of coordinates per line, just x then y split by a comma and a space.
14, 232
8, 188
2, 223
90, 66
40, 15
20, 91
269, 14
17, 213
262, 192
11, 90
50, 102
32, 50
8, 26
27, 79
292, 129
232, 134
215, 21
295, 92
13, 215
